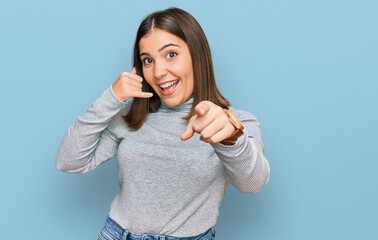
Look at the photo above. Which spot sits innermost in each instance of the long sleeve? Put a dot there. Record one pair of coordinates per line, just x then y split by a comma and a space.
88, 142
245, 164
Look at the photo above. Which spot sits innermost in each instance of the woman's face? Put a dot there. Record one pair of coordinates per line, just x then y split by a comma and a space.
167, 66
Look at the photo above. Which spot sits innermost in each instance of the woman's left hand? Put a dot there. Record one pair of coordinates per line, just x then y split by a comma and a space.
211, 122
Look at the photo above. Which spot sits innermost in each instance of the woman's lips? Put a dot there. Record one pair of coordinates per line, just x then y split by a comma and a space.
169, 90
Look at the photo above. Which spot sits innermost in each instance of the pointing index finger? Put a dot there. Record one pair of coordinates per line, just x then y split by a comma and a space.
202, 108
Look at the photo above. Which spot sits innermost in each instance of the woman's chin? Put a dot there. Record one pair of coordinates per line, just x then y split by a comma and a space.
171, 102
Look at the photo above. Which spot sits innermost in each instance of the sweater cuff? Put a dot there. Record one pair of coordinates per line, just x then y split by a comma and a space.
114, 96
232, 150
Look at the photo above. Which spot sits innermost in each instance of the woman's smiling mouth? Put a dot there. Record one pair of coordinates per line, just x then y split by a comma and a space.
168, 88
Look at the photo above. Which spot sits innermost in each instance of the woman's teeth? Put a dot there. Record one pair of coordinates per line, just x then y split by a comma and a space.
168, 84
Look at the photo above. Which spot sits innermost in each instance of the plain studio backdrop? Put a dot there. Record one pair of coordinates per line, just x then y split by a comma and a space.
306, 69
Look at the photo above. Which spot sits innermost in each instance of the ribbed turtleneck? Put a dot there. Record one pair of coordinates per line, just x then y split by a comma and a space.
167, 186
184, 107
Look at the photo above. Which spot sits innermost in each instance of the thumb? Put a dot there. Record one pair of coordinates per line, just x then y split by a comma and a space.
134, 71
189, 131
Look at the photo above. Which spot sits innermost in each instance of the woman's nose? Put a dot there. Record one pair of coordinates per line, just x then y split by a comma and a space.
160, 70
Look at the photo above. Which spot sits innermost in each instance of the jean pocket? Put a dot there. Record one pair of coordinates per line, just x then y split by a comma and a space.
211, 237
105, 235
207, 237
213, 233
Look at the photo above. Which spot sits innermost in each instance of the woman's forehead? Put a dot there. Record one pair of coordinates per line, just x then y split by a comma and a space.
157, 38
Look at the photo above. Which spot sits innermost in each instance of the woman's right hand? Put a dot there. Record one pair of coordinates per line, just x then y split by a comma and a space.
129, 85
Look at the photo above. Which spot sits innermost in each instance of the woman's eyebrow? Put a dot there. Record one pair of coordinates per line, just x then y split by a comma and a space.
144, 53
167, 45
161, 49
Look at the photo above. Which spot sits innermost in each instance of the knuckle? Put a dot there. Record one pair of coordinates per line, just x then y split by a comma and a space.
218, 109
196, 127
225, 120
212, 139
205, 135
125, 79
210, 104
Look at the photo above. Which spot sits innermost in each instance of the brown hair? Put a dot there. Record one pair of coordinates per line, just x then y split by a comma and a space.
185, 26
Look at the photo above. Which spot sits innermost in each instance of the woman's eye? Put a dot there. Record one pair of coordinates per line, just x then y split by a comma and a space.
172, 54
147, 61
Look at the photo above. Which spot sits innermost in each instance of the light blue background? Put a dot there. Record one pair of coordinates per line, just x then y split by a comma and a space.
306, 69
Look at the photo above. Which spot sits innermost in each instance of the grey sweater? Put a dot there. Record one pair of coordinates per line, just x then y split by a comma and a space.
167, 186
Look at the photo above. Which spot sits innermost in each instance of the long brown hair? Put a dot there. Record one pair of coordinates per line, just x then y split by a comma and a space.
185, 26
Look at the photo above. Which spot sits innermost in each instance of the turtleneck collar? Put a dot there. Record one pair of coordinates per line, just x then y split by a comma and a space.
184, 107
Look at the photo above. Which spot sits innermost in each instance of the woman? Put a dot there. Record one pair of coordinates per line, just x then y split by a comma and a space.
177, 145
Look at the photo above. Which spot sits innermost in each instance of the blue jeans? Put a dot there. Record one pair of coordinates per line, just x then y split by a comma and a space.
112, 231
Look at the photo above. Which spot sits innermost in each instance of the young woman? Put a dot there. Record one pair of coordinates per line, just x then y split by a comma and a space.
177, 141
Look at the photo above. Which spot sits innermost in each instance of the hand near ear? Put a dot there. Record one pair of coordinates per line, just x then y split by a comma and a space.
129, 85
211, 122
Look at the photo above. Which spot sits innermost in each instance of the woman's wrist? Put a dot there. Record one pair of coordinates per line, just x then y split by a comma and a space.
239, 128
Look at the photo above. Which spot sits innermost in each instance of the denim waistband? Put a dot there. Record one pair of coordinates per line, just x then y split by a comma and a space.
119, 233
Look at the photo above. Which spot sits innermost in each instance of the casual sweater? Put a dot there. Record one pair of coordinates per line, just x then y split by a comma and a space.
167, 186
